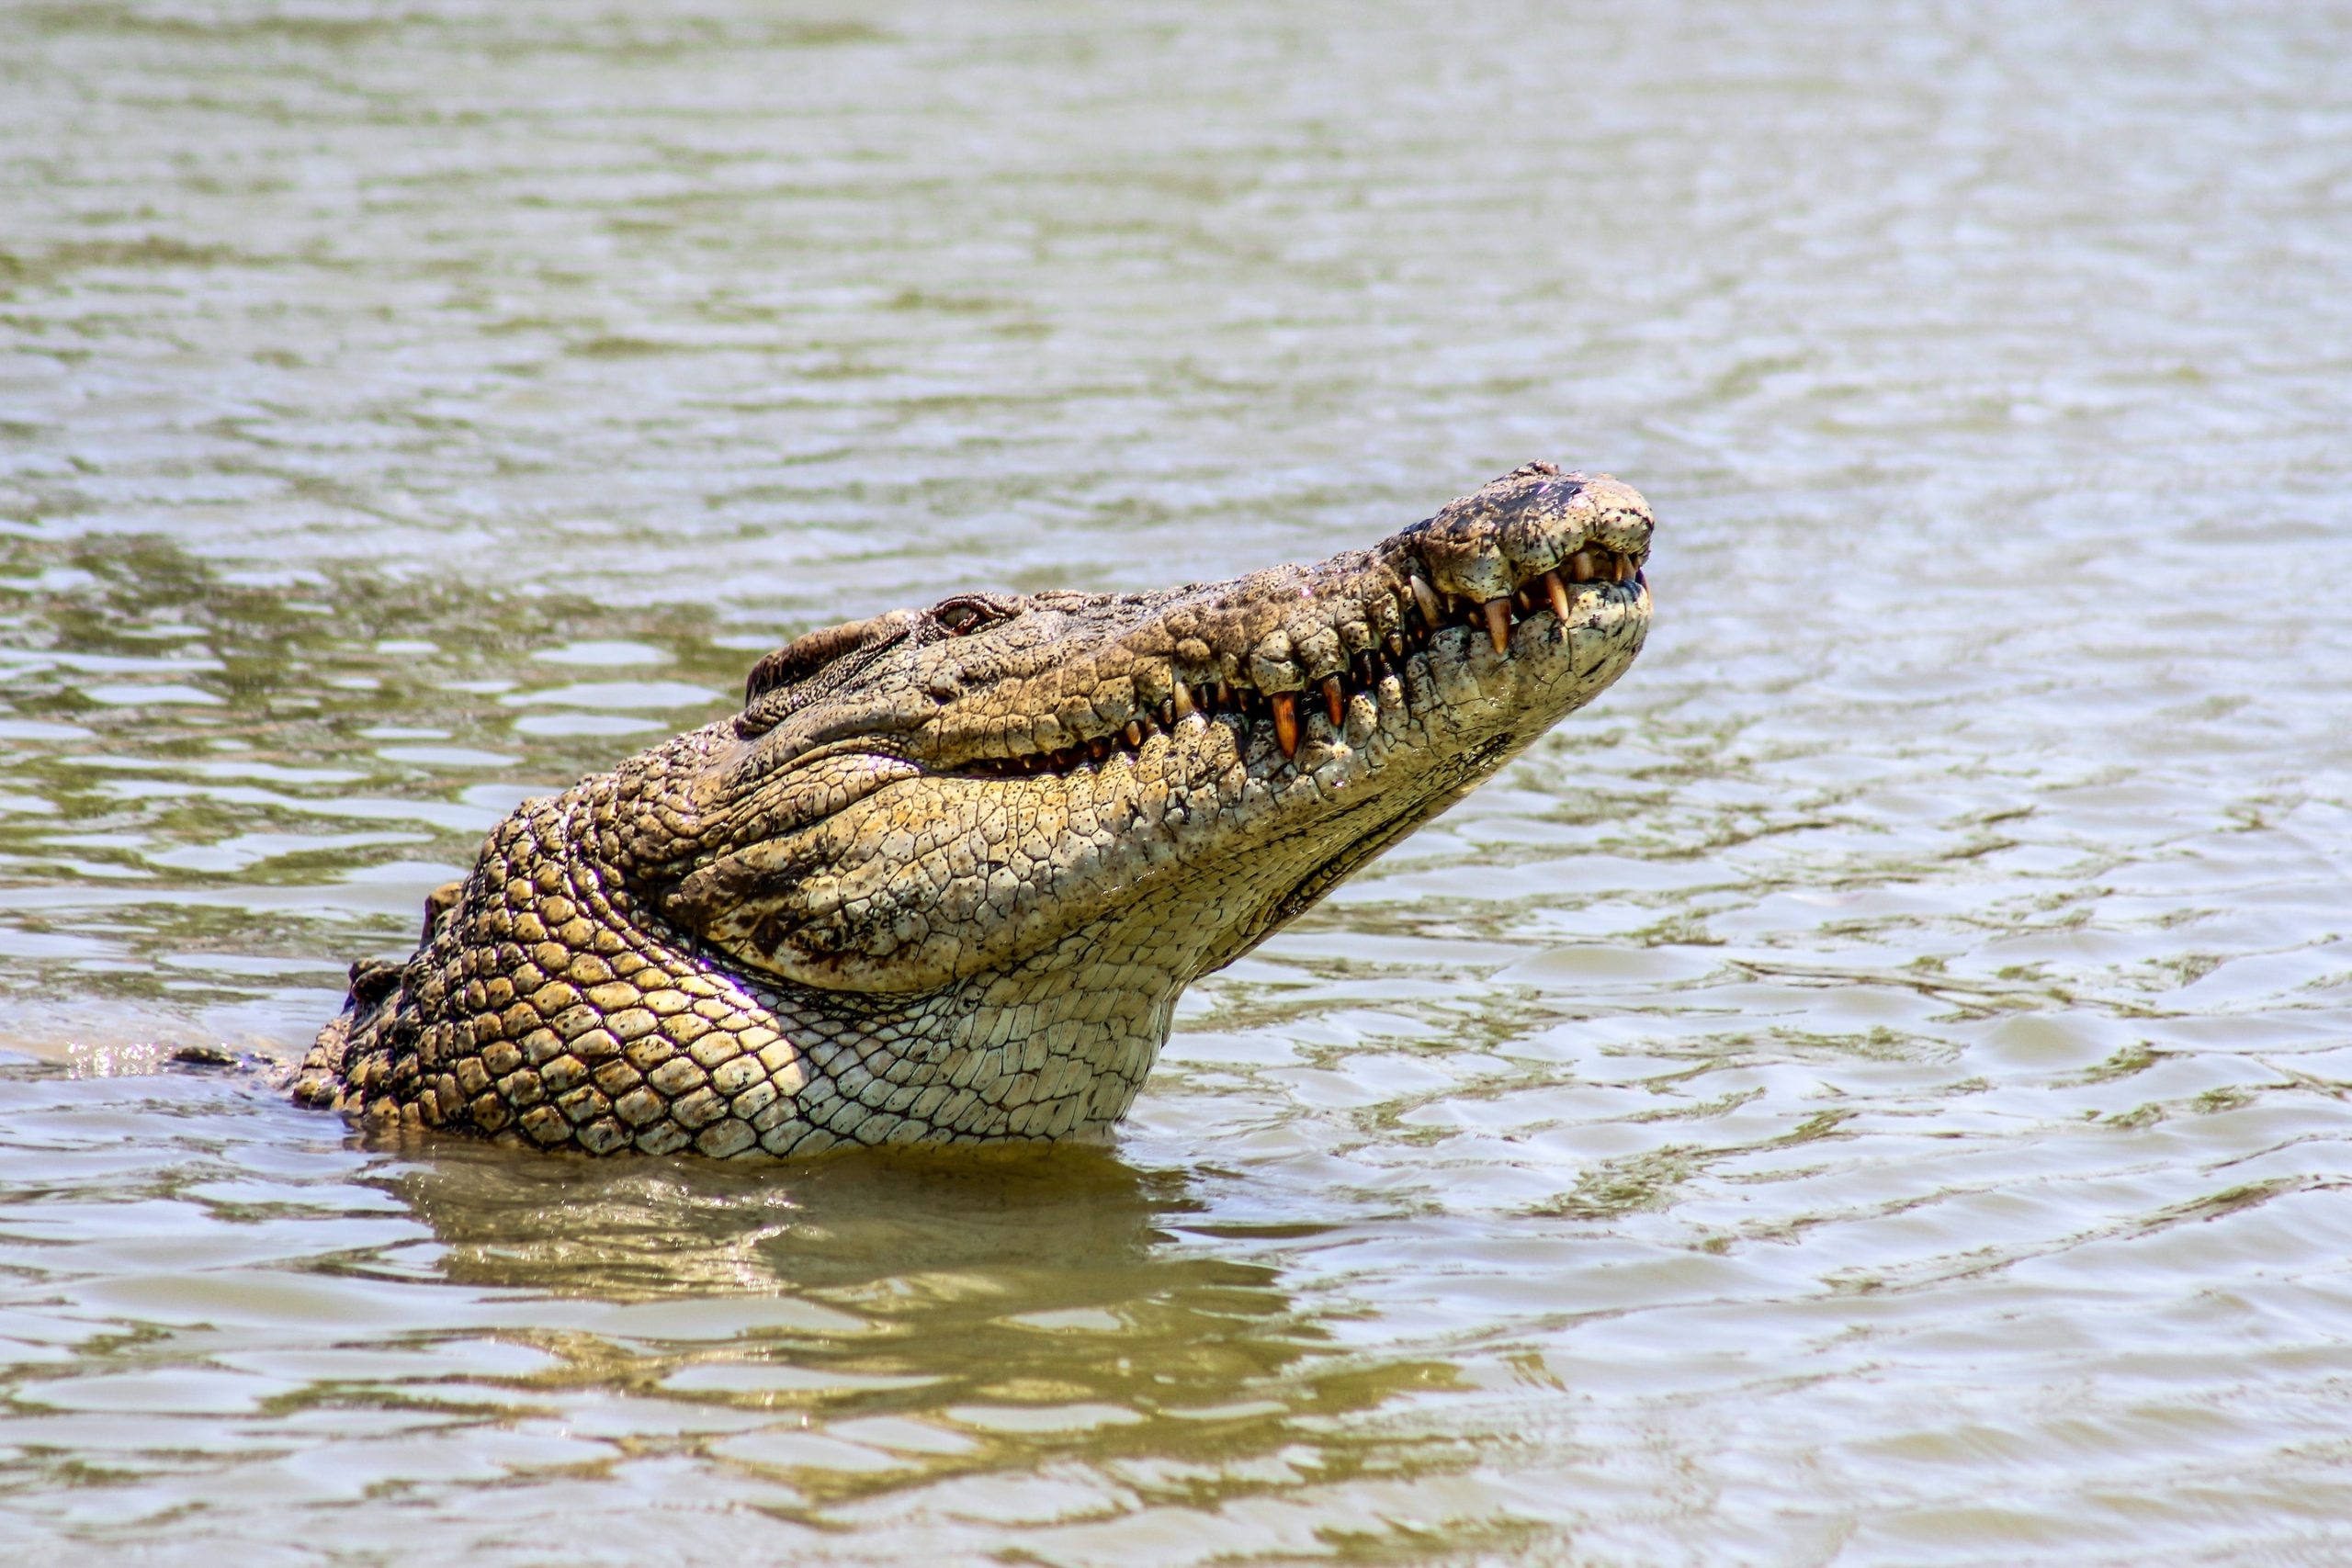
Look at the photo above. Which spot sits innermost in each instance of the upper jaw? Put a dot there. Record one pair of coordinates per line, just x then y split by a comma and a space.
1279, 646
1207, 728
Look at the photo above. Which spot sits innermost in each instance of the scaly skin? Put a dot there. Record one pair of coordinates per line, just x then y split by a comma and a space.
944, 877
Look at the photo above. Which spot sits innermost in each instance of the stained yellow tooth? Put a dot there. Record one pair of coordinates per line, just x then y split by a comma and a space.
1498, 623
1625, 569
1134, 733
1580, 566
1557, 591
1334, 700
1183, 699
1396, 646
1285, 706
1426, 597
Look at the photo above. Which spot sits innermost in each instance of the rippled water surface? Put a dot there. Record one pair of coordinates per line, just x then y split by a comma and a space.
1875, 1089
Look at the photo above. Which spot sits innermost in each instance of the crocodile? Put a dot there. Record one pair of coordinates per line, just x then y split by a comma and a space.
945, 876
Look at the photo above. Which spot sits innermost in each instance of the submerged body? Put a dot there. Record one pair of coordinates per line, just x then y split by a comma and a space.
944, 876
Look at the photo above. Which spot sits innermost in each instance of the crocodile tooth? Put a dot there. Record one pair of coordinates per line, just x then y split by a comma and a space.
1557, 591
1426, 597
1223, 695
1134, 733
1625, 569
1334, 700
1498, 623
1580, 569
1181, 703
1285, 706
1396, 646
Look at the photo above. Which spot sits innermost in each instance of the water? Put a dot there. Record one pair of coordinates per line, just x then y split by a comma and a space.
1874, 1089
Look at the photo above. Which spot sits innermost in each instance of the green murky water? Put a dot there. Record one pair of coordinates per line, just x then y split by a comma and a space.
1874, 1090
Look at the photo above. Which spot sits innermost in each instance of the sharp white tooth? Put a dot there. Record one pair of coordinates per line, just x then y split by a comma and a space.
1557, 591
1426, 597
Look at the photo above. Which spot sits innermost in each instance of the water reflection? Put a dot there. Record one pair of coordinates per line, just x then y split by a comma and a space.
225, 1297
976, 1313
643, 1229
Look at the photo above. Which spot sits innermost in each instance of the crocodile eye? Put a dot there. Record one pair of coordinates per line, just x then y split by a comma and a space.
962, 617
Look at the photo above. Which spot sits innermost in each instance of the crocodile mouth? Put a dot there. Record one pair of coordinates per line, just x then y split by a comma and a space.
1592, 575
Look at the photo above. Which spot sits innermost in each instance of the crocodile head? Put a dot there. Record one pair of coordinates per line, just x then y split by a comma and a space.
911, 801
1001, 834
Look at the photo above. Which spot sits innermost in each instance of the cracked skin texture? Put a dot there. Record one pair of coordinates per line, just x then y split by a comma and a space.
944, 877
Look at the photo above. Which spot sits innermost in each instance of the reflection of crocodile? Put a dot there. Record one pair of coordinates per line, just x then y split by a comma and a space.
930, 1288
944, 877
